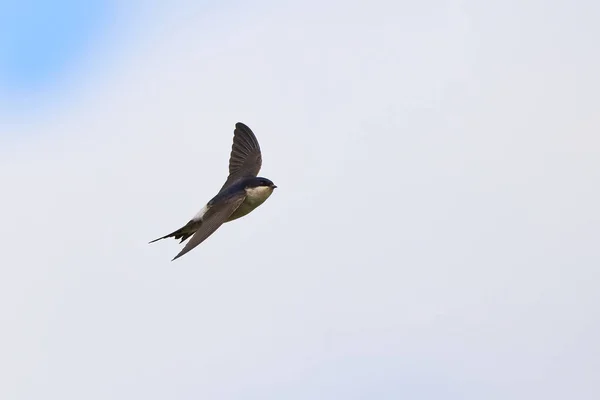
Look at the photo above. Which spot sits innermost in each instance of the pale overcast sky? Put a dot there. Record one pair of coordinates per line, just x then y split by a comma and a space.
435, 233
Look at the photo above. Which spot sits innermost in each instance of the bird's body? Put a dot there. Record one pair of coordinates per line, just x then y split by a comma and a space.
254, 197
242, 193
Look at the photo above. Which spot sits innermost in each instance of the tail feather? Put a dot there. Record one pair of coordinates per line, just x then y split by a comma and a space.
182, 233
185, 236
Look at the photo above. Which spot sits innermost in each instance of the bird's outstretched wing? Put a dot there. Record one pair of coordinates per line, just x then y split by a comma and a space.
245, 160
212, 220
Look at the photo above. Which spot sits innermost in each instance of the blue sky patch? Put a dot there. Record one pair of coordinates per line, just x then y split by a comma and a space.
40, 39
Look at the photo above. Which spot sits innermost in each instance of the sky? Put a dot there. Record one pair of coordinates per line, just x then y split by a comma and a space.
434, 233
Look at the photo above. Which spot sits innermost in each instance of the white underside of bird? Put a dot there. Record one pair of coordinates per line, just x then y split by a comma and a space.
254, 198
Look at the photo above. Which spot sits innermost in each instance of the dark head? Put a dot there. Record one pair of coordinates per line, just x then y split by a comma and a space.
260, 182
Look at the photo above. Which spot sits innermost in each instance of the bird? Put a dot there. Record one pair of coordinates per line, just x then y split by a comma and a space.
242, 192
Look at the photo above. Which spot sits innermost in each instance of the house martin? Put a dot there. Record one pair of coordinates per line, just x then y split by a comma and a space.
242, 192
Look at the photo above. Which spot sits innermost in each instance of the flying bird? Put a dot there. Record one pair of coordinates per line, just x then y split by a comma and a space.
242, 192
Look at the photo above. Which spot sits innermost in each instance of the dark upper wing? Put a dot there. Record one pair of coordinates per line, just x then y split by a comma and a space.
213, 219
245, 159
